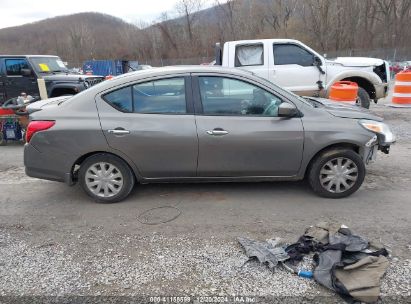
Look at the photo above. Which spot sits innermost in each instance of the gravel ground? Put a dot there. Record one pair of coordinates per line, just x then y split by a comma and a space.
55, 242
163, 267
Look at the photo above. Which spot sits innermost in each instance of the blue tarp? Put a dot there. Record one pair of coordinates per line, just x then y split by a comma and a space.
105, 67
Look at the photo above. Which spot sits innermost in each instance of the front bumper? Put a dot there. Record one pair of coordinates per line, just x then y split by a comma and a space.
376, 143
381, 90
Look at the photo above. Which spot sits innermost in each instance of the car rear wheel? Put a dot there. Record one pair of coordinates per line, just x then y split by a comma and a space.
106, 178
337, 173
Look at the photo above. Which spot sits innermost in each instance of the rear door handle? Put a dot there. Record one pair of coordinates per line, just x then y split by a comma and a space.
217, 132
118, 132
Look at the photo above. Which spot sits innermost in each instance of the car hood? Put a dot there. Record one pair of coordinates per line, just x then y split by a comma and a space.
339, 109
69, 77
357, 61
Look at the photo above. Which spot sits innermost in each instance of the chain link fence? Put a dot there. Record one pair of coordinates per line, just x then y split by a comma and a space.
160, 62
389, 54
177, 61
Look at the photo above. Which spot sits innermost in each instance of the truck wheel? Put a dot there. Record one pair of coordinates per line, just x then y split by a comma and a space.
106, 178
336, 173
363, 98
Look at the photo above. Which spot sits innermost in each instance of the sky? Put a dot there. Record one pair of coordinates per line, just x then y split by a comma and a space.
17, 12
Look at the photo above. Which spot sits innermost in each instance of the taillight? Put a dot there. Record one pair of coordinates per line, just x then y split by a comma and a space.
36, 126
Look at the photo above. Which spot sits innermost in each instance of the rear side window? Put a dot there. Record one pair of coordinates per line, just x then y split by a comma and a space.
249, 54
120, 99
14, 66
166, 96
292, 54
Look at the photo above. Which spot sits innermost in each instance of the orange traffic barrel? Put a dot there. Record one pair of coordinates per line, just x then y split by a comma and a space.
344, 91
402, 88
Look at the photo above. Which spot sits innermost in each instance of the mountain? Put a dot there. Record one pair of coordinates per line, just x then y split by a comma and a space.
187, 39
71, 37
334, 27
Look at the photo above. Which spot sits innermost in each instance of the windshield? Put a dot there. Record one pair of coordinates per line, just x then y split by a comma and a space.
48, 64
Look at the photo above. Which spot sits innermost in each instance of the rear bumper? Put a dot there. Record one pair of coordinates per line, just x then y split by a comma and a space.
40, 165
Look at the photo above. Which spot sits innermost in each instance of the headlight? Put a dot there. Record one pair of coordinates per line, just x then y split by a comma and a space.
379, 128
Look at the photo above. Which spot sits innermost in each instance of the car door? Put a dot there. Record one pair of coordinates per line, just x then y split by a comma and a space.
152, 122
15, 82
240, 133
292, 67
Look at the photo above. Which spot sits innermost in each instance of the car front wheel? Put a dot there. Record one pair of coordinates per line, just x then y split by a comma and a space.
337, 173
363, 99
106, 178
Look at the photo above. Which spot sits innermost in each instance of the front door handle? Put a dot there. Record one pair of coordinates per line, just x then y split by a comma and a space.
118, 131
217, 132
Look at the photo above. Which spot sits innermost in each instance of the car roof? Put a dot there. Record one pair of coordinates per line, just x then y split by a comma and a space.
189, 69
265, 40
28, 56
163, 71
160, 72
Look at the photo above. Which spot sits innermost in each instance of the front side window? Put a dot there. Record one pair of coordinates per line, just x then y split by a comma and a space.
14, 66
227, 96
166, 96
249, 54
292, 54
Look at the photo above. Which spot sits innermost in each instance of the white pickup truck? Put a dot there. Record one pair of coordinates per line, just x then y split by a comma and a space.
298, 68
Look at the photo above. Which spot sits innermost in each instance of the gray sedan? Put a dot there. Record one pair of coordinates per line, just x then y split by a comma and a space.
189, 124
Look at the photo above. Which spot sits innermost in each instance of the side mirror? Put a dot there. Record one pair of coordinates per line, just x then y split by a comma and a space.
218, 54
317, 61
26, 72
286, 109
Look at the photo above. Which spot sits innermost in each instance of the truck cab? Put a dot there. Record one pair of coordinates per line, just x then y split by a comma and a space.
295, 66
20, 73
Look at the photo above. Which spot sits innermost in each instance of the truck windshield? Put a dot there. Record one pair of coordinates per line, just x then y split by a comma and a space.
48, 64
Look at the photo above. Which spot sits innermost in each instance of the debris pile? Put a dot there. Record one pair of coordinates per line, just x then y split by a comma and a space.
344, 262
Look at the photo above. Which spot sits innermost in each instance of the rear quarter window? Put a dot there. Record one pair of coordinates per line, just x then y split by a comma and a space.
249, 55
120, 99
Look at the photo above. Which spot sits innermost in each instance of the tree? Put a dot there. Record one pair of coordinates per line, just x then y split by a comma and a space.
187, 9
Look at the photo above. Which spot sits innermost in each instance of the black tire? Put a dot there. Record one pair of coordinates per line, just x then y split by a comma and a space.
128, 179
363, 98
314, 174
